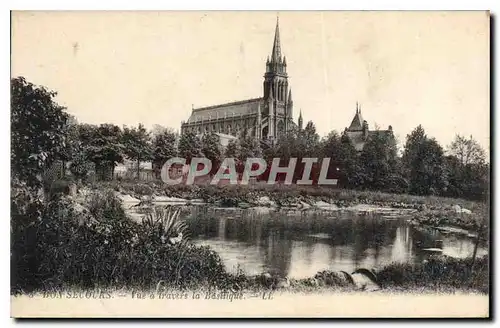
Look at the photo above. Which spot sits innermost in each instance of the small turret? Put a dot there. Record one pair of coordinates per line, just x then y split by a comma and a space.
365, 129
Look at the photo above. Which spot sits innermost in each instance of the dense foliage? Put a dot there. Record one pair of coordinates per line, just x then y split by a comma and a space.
66, 245
38, 126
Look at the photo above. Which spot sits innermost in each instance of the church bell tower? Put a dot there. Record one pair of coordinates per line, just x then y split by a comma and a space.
277, 94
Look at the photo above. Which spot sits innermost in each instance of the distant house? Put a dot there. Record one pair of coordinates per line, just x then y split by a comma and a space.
358, 132
225, 139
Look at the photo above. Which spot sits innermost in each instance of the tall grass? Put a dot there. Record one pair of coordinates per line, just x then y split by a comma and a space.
438, 274
59, 250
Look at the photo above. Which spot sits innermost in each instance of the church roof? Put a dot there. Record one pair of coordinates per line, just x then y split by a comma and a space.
236, 108
358, 140
357, 121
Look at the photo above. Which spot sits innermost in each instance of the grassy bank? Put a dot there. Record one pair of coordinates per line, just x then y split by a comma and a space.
95, 246
432, 211
283, 194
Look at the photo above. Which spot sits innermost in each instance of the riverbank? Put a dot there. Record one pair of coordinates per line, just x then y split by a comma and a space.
283, 195
439, 275
94, 243
433, 211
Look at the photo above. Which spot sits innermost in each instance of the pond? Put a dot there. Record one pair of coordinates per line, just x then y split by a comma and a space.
298, 244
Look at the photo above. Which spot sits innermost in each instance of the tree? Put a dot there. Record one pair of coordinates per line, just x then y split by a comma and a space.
423, 162
232, 149
413, 142
310, 139
137, 144
37, 131
468, 151
350, 173
164, 148
249, 148
467, 170
158, 129
378, 160
103, 146
211, 148
189, 146
427, 169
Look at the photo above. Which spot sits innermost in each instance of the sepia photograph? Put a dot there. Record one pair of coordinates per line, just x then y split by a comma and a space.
248, 164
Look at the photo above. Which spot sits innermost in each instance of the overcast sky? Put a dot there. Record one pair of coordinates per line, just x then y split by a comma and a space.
404, 69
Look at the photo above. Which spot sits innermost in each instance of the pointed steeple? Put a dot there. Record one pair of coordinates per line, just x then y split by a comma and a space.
357, 121
284, 60
290, 96
301, 121
276, 55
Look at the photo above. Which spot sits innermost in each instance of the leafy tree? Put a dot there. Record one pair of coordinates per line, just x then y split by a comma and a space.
467, 170
468, 151
311, 140
189, 146
427, 169
350, 174
232, 149
249, 147
103, 146
378, 160
212, 149
423, 162
158, 129
137, 144
164, 148
37, 131
413, 142
80, 166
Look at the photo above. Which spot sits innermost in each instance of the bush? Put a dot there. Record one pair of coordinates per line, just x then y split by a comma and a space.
57, 249
438, 273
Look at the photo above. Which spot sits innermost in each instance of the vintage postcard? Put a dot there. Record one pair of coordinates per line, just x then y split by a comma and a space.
250, 164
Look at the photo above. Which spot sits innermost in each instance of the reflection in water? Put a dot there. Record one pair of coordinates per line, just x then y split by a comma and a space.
402, 249
303, 244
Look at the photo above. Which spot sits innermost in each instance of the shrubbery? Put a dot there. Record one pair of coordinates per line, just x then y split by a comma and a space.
63, 245
438, 273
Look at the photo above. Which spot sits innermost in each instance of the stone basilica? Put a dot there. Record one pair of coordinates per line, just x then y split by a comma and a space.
267, 117
264, 118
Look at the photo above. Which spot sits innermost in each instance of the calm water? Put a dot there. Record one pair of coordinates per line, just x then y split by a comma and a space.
300, 244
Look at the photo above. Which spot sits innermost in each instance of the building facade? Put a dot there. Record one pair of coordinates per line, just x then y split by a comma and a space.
264, 117
358, 132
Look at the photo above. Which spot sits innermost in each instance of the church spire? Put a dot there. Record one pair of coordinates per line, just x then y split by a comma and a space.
300, 120
276, 55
